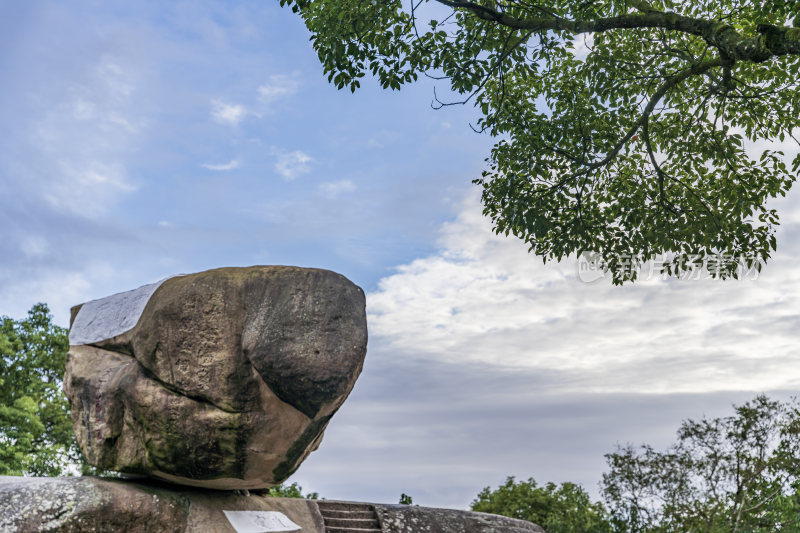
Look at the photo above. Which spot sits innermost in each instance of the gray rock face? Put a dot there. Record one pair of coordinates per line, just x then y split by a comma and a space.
78, 505
87, 504
226, 379
414, 519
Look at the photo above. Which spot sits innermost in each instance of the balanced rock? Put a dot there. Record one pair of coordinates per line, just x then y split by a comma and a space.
224, 379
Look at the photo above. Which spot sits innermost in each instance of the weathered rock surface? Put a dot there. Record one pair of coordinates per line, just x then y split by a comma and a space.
78, 505
223, 379
415, 519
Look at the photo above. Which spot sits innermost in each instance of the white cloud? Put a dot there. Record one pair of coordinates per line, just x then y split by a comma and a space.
81, 141
227, 114
87, 187
384, 138
105, 175
33, 246
117, 79
231, 165
292, 164
278, 86
83, 110
334, 189
482, 298
59, 289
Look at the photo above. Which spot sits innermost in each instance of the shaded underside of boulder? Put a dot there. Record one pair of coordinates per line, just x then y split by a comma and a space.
227, 379
90, 504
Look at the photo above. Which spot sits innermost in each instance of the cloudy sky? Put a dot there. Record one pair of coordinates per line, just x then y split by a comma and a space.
146, 139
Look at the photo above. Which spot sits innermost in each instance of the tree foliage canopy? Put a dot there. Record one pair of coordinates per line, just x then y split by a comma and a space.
291, 491
624, 127
564, 508
35, 428
737, 474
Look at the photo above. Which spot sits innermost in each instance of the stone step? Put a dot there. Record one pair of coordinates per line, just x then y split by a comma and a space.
349, 517
363, 523
347, 514
350, 530
343, 506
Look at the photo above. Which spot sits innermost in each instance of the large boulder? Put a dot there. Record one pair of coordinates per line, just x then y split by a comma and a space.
223, 379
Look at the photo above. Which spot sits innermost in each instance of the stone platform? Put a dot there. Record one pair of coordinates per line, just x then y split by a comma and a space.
83, 504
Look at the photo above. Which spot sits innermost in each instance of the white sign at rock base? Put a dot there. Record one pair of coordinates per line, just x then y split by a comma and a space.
260, 521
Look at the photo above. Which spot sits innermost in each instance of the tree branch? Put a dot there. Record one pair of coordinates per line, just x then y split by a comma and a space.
671, 82
771, 41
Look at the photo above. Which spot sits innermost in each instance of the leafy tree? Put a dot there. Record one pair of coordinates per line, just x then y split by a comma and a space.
35, 428
291, 491
405, 499
623, 126
564, 508
738, 474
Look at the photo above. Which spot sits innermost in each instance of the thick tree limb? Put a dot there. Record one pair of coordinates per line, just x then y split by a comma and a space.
771, 41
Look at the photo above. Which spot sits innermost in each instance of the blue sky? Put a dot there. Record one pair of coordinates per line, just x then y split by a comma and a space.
141, 140
202, 134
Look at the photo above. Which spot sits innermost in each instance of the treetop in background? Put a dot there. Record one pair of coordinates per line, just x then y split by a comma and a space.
734, 474
564, 508
623, 127
35, 427
723, 475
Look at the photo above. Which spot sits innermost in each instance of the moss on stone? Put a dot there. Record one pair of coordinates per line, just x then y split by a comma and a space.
297, 450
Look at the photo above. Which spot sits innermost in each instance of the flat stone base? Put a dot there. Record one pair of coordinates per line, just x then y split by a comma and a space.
84, 504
